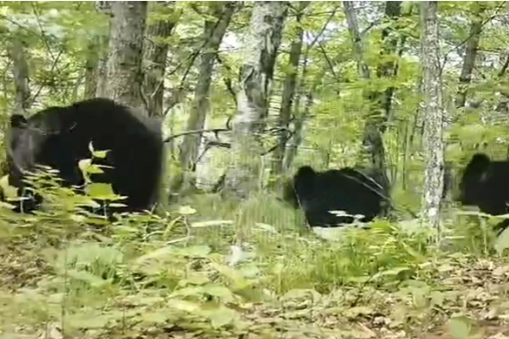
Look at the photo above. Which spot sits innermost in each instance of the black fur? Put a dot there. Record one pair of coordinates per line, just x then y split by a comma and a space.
485, 183
59, 137
355, 191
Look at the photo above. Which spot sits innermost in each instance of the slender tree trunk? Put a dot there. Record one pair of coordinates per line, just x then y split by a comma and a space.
125, 52
433, 131
288, 94
358, 46
470, 54
21, 77
306, 91
155, 55
380, 102
92, 68
260, 52
103, 7
213, 33
389, 68
298, 129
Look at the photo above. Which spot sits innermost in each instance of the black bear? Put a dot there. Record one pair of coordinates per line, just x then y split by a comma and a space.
59, 137
354, 191
485, 184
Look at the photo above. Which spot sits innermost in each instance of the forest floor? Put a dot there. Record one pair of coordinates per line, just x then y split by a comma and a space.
185, 280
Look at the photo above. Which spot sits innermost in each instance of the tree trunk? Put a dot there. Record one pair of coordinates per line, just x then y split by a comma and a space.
123, 69
260, 52
389, 68
21, 77
288, 95
213, 33
433, 130
307, 92
103, 7
92, 68
298, 129
380, 101
358, 46
470, 54
155, 55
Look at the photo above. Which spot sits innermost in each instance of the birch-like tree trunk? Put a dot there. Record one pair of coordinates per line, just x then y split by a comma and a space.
155, 55
123, 69
470, 54
289, 87
355, 34
213, 33
21, 77
260, 52
434, 112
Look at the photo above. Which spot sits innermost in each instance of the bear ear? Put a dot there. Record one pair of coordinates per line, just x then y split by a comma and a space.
480, 158
478, 164
306, 171
18, 121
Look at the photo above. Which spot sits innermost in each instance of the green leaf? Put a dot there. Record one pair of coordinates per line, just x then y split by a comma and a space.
8, 190
100, 154
162, 252
460, 327
437, 298
186, 210
86, 166
154, 317
394, 271
183, 305
188, 291
219, 291
221, 317
419, 298
195, 251
502, 241
101, 191
239, 281
194, 279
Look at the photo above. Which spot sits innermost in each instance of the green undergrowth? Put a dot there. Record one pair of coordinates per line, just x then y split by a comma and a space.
208, 269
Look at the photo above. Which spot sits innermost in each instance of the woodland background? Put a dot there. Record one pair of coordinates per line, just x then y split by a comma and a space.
333, 84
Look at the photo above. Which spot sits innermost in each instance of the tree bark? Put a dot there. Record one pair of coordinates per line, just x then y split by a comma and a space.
289, 87
155, 55
305, 89
103, 7
260, 52
358, 46
470, 54
21, 77
123, 69
433, 130
213, 33
380, 101
92, 68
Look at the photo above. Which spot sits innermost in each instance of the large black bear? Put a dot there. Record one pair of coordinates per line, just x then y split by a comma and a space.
485, 183
355, 191
59, 137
